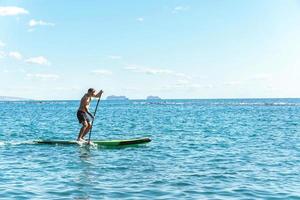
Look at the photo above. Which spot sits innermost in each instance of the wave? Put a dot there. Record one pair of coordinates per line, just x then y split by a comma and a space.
15, 143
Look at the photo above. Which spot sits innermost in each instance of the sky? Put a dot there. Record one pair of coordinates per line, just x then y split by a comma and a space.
175, 49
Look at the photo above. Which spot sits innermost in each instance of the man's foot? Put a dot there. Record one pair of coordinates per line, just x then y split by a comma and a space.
81, 140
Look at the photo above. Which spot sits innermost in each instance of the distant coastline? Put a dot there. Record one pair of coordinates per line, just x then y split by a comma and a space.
8, 98
114, 97
153, 98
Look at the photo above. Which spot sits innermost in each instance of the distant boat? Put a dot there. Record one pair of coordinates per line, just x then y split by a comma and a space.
113, 97
153, 98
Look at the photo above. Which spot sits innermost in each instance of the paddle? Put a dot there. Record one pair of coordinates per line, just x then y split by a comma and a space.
93, 120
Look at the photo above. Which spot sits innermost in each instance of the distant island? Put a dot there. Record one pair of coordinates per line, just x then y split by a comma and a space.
6, 98
153, 98
113, 97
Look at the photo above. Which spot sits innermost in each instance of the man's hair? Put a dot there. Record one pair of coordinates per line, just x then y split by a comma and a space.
91, 90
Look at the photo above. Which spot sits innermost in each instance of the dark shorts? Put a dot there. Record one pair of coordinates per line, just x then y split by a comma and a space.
84, 116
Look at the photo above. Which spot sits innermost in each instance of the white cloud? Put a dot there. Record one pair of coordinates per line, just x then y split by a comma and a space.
250, 80
156, 71
187, 87
182, 82
185, 84
2, 44
233, 83
182, 75
66, 88
134, 89
115, 57
140, 19
2, 54
261, 77
12, 10
197, 86
14, 71
178, 9
40, 60
101, 72
16, 55
33, 23
42, 76
146, 70
131, 68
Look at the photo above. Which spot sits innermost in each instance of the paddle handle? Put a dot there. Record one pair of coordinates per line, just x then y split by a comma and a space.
93, 120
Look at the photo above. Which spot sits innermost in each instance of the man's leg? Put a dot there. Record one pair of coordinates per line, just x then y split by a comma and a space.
86, 130
82, 130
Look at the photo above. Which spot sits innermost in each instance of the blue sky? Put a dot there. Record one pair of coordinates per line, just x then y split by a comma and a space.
174, 49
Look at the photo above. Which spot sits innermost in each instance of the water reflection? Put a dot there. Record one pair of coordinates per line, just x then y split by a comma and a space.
85, 152
86, 172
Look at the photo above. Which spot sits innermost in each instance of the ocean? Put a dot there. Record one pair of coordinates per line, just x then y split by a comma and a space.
200, 149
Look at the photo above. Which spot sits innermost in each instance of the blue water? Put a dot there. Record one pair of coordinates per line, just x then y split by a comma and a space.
201, 149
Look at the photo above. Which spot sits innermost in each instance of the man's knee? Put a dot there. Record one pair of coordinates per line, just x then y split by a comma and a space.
85, 124
89, 125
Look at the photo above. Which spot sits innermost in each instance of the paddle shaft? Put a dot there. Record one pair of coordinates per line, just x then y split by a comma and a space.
93, 120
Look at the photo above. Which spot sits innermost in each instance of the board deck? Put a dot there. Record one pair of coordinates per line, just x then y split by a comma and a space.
97, 142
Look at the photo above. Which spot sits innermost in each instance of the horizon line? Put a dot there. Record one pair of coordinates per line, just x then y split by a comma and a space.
231, 98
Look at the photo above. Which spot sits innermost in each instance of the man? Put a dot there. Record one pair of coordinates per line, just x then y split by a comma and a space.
83, 115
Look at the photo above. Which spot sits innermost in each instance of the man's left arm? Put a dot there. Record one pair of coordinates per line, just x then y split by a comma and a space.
99, 94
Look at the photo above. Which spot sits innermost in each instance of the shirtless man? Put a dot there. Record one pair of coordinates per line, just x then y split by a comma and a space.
83, 115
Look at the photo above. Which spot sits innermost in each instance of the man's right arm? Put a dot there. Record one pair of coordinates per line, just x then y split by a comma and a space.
99, 94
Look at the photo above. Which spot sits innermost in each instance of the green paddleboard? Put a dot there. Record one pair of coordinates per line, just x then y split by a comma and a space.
97, 142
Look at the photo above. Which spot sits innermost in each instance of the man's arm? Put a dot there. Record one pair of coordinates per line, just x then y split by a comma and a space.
99, 94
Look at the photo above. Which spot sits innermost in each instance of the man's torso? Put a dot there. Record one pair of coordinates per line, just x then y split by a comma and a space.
84, 103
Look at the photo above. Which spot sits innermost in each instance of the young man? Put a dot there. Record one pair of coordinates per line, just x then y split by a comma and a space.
83, 114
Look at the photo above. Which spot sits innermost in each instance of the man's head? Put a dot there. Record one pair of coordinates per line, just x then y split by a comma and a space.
91, 91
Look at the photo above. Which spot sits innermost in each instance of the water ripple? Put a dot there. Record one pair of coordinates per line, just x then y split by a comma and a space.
201, 149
